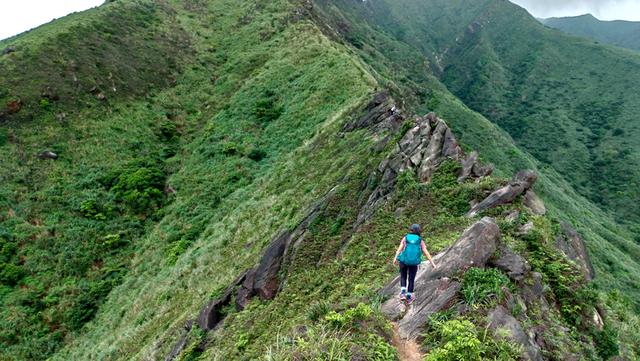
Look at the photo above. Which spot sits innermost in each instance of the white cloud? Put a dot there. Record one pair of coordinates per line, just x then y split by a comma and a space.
17, 16
602, 9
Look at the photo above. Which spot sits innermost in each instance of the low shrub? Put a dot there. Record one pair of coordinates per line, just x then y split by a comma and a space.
483, 286
459, 339
606, 342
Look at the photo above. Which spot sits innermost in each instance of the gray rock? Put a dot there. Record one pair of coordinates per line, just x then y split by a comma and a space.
533, 289
434, 288
47, 154
266, 281
467, 166
512, 216
574, 247
211, 313
432, 297
512, 264
507, 326
480, 171
526, 228
520, 183
433, 154
380, 114
450, 147
181, 343
534, 203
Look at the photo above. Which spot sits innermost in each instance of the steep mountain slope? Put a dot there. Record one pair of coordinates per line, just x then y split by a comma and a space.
504, 64
245, 125
625, 34
392, 38
72, 226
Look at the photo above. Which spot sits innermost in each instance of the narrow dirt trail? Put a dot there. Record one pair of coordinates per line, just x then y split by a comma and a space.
408, 350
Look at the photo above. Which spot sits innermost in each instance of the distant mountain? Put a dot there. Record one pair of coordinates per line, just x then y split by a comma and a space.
621, 33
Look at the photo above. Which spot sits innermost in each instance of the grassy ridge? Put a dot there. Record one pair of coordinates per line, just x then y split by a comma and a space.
165, 191
71, 228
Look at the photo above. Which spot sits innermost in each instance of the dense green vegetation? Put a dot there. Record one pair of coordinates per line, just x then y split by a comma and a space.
411, 57
618, 32
178, 163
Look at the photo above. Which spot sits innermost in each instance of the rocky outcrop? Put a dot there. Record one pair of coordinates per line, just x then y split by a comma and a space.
521, 182
472, 168
511, 263
264, 280
420, 150
574, 247
436, 289
380, 114
534, 203
211, 313
533, 290
510, 328
182, 342
47, 154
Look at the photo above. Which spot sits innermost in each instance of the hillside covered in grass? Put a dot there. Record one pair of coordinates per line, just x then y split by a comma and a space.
625, 34
155, 153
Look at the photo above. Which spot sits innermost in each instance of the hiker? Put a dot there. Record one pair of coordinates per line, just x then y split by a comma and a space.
409, 255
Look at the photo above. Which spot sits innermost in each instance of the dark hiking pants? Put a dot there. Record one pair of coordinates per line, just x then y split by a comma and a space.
407, 272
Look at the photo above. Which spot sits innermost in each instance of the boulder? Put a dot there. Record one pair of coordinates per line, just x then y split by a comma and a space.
520, 183
467, 166
512, 216
434, 288
432, 297
480, 171
211, 313
526, 228
510, 328
47, 154
246, 291
266, 281
534, 203
533, 289
450, 147
433, 154
574, 247
511, 263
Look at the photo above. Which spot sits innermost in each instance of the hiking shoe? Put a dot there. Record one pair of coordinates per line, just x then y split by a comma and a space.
403, 295
410, 298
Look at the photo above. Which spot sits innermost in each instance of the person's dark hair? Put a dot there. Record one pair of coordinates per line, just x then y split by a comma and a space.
415, 229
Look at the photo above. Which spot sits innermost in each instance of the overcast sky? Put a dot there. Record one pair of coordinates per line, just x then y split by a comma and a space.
602, 9
17, 16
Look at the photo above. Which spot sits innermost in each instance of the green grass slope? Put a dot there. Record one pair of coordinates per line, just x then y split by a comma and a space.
168, 160
225, 125
625, 34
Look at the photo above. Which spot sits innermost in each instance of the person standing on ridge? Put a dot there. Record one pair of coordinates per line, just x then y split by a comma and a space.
409, 255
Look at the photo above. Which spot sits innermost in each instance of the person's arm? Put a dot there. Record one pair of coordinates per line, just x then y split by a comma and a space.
399, 250
426, 253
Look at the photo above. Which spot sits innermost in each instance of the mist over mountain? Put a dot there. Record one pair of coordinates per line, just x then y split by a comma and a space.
230, 180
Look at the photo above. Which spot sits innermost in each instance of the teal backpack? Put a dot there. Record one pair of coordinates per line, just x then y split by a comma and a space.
412, 254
